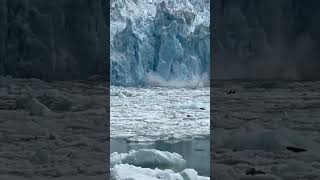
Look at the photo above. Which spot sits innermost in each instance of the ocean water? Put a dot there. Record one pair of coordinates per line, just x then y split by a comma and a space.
196, 152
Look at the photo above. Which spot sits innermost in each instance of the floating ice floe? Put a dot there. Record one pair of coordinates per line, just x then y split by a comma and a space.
125, 172
150, 158
149, 164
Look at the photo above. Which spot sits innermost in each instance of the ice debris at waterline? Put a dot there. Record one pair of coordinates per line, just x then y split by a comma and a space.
166, 38
159, 113
149, 164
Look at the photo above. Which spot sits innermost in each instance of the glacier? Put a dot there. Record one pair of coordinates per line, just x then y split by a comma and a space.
168, 39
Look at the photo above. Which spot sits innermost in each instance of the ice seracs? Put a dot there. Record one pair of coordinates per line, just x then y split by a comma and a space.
169, 38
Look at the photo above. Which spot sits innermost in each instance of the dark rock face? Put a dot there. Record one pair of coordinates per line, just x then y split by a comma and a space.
274, 39
53, 40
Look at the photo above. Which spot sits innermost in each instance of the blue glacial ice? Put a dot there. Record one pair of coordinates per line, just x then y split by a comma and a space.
167, 39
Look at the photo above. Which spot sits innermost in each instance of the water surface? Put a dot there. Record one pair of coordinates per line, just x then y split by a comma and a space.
196, 152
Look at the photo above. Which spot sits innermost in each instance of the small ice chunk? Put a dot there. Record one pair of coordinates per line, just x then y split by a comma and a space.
189, 174
191, 105
165, 175
127, 93
139, 139
121, 95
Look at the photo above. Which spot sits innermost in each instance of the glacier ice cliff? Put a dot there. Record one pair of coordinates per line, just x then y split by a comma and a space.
167, 39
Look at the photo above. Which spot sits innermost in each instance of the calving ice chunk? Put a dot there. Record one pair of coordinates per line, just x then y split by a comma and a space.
170, 38
149, 164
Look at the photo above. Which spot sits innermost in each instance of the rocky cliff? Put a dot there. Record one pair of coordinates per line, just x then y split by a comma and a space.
267, 39
53, 40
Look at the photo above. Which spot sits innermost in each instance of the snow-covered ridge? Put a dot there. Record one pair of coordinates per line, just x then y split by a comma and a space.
170, 38
150, 164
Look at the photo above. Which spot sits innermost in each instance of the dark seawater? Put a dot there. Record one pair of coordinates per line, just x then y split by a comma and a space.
196, 152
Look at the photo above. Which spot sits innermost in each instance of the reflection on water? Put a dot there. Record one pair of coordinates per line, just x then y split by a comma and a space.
196, 152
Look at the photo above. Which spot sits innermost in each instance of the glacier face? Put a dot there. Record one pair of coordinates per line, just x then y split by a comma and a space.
167, 39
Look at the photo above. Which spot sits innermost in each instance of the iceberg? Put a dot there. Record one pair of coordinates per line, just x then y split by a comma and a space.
150, 164
149, 158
